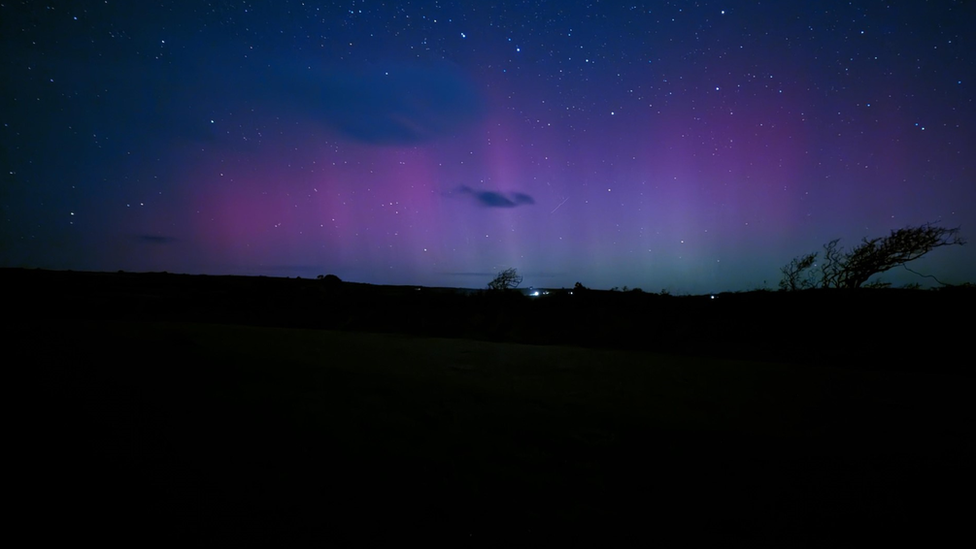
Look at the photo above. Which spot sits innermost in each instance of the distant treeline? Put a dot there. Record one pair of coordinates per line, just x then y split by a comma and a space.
885, 329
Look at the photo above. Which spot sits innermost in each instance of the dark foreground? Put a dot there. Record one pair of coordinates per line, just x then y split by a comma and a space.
159, 429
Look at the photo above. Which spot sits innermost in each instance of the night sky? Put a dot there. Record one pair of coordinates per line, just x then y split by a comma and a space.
688, 146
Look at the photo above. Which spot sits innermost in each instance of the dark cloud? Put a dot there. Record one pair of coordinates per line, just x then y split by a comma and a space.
154, 239
494, 199
397, 104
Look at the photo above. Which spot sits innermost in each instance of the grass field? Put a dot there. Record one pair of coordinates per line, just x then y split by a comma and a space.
184, 432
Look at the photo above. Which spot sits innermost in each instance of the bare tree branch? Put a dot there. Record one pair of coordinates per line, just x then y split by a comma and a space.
853, 269
924, 275
793, 277
506, 280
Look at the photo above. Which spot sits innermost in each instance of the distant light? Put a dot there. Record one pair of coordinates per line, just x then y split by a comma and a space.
713, 297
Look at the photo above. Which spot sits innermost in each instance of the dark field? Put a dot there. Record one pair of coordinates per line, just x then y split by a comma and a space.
164, 408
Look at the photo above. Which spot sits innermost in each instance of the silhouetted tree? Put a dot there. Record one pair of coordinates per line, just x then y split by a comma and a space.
506, 280
852, 269
796, 275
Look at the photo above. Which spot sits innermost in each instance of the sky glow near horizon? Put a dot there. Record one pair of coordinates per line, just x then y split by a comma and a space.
688, 146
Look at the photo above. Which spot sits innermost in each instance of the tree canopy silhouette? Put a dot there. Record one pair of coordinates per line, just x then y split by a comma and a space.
506, 280
851, 269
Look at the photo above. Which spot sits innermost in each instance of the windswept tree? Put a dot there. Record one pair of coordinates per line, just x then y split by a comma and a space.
852, 269
797, 274
506, 280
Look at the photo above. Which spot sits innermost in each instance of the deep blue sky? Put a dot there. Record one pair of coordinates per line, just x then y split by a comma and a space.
688, 146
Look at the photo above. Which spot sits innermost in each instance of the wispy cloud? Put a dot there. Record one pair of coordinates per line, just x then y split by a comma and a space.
156, 239
495, 199
472, 274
